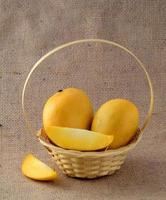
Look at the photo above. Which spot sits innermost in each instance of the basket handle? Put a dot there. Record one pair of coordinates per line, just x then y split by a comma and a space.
149, 113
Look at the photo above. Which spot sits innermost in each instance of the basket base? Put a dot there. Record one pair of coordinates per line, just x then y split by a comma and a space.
90, 176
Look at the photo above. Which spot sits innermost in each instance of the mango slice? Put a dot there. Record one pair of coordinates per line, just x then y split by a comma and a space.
78, 139
35, 169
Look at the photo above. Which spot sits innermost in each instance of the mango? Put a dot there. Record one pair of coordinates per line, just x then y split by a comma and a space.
70, 107
78, 139
35, 169
118, 117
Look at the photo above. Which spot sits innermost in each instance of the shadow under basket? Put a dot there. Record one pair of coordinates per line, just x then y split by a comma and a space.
88, 164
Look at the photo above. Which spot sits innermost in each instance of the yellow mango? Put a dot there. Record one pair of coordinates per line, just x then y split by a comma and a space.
118, 117
70, 107
35, 169
78, 139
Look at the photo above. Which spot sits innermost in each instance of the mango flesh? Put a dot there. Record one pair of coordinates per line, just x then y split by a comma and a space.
35, 169
118, 117
78, 139
70, 107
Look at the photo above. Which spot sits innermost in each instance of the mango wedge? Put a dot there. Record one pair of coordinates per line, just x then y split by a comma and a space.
78, 139
36, 169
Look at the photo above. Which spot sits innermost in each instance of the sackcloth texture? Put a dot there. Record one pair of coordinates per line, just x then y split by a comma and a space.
28, 30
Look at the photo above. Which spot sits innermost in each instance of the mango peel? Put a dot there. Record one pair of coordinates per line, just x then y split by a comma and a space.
119, 117
70, 107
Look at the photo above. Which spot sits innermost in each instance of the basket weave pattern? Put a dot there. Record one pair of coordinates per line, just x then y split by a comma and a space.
88, 167
88, 164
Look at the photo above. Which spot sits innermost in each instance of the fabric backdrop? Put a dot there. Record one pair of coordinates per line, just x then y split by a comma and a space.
28, 30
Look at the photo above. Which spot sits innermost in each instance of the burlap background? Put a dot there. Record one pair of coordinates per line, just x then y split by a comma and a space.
28, 29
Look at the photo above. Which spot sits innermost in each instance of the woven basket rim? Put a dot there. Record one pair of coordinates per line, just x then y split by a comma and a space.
104, 153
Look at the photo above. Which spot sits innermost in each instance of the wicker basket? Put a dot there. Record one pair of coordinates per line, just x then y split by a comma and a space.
89, 164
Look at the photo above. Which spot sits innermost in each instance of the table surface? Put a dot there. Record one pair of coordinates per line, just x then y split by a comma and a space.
29, 29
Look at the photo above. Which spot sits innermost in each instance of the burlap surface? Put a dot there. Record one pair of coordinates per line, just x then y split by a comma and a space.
28, 29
